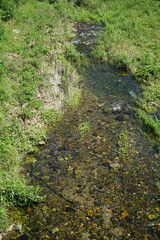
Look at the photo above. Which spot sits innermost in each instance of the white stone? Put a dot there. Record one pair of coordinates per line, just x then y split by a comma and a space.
16, 31
18, 227
10, 228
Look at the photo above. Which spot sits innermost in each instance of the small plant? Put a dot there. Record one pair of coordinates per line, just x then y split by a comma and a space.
3, 218
74, 56
1, 33
123, 143
84, 127
17, 193
51, 116
152, 125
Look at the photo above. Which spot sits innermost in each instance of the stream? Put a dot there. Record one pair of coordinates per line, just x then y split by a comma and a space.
98, 171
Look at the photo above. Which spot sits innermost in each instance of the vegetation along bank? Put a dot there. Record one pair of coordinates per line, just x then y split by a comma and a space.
39, 73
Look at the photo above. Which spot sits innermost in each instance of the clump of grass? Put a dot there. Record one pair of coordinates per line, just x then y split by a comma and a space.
152, 125
51, 116
3, 218
74, 98
15, 192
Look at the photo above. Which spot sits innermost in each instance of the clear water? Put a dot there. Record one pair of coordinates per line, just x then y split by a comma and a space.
99, 173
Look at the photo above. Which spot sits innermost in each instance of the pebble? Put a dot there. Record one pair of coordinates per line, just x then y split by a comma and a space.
42, 143
10, 228
115, 165
117, 108
16, 31
18, 227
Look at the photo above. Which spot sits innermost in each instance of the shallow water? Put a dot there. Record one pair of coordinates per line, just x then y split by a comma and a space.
98, 171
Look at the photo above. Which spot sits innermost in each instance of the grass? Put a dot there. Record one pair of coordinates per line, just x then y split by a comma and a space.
34, 54
152, 125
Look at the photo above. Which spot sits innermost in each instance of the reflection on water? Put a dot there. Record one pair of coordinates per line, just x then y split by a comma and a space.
98, 172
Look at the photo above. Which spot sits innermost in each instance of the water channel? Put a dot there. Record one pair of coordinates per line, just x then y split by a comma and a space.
99, 172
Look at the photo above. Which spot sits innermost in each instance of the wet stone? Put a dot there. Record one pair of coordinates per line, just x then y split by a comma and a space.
115, 165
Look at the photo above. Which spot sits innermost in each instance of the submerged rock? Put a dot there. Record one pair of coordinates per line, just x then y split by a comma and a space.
107, 215
18, 227
115, 165
42, 142
116, 106
118, 233
134, 95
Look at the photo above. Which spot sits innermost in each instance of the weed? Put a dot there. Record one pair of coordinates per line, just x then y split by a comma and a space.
51, 116
84, 127
152, 125
123, 143
3, 218
74, 98
15, 192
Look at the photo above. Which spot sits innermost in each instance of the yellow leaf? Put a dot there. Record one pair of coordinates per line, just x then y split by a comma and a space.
123, 215
124, 74
99, 137
90, 212
151, 216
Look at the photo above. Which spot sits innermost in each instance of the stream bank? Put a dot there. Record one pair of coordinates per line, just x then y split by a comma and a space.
37, 81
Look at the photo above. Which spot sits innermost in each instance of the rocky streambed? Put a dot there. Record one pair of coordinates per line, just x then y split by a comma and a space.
98, 171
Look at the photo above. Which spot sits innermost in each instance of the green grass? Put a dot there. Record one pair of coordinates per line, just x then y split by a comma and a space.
152, 125
33, 48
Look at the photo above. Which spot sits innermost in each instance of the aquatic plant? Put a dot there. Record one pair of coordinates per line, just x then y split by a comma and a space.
84, 127
122, 143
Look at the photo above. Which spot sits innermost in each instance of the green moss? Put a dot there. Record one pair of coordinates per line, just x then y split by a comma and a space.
123, 143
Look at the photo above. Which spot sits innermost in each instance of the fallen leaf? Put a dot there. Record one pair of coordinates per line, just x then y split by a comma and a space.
90, 212
123, 215
93, 225
151, 216
124, 74
145, 238
99, 137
